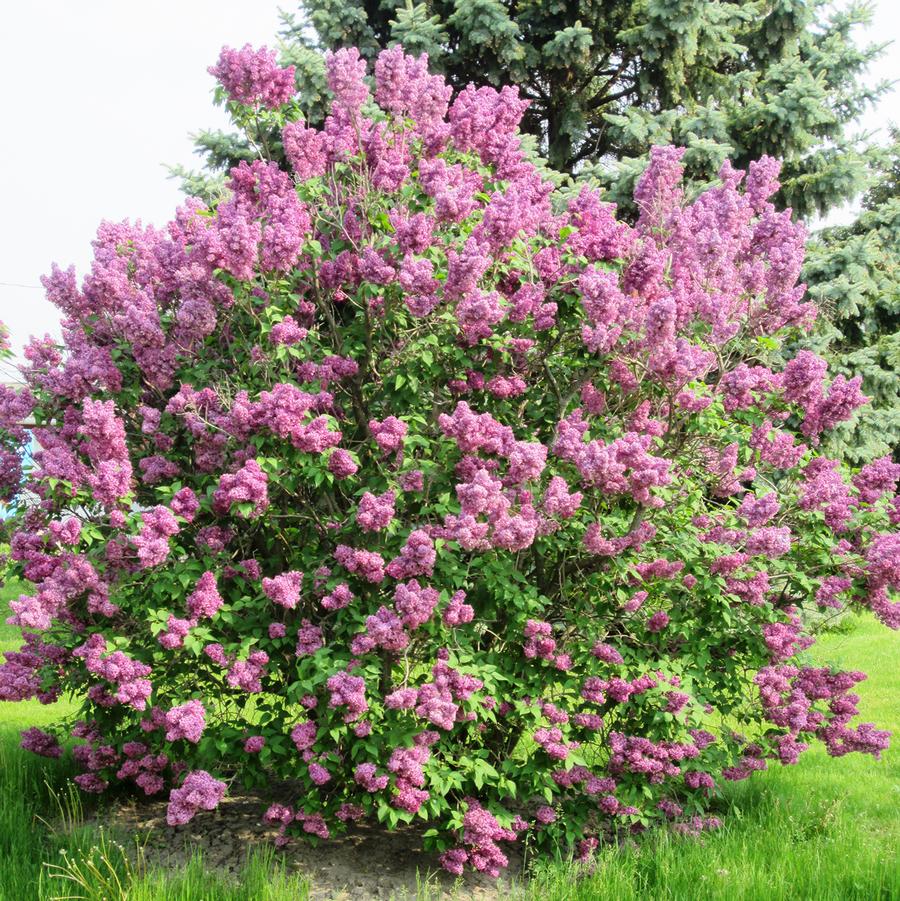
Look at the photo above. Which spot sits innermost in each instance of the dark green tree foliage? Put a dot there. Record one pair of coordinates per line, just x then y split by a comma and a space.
853, 274
607, 80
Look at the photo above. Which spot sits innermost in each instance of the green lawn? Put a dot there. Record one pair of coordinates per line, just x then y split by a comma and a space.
823, 829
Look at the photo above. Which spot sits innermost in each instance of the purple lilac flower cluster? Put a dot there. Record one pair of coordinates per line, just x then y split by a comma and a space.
252, 77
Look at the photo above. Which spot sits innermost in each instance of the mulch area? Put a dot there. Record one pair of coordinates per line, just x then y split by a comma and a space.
368, 863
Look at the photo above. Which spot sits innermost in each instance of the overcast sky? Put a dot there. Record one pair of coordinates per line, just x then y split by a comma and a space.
98, 94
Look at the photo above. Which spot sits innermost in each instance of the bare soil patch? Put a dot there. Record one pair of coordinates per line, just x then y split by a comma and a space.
368, 863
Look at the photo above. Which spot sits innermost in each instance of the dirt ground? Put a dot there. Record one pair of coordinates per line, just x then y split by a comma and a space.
368, 863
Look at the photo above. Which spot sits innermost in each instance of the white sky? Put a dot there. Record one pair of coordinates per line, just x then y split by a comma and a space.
98, 94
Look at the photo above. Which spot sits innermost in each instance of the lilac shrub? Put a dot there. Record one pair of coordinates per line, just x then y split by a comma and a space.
401, 477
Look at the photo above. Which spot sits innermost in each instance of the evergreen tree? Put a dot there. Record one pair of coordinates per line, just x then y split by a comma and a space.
853, 274
607, 80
